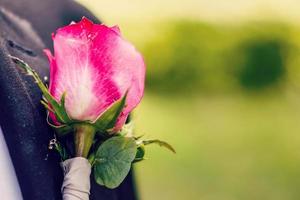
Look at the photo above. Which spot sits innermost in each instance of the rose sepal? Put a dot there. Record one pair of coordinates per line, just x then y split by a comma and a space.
107, 120
57, 108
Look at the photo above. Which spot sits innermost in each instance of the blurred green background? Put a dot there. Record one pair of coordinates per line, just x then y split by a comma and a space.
223, 87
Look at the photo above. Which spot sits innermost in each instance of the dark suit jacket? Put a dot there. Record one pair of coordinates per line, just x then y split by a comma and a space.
25, 29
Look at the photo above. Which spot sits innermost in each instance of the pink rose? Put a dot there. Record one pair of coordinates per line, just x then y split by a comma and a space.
95, 66
96, 79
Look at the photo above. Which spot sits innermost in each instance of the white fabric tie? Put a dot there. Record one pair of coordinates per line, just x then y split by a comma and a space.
76, 185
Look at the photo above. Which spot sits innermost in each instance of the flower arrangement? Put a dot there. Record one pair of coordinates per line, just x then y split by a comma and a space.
96, 80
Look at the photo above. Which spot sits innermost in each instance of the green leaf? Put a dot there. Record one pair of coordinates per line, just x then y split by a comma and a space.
62, 101
59, 109
91, 158
160, 143
61, 130
113, 161
108, 119
46, 105
140, 153
62, 151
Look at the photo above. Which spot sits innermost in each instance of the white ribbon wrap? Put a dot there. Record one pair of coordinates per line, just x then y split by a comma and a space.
76, 185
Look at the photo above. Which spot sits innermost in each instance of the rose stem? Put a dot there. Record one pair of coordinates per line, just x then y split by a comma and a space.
83, 138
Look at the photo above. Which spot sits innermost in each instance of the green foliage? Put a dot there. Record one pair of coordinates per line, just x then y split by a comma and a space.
190, 57
140, 153
113, 161
160, 143
263, 63
175, 59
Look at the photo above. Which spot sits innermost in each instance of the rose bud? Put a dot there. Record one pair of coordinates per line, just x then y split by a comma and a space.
94, 67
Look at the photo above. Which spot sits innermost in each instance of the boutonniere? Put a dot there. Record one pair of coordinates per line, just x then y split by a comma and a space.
96, 80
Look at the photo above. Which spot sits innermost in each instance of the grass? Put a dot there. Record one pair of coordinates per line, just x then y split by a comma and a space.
229, 147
